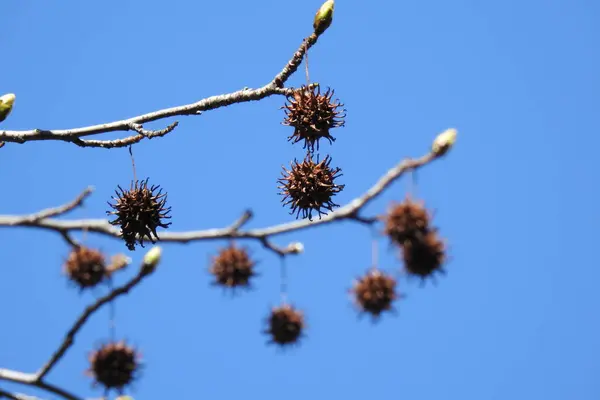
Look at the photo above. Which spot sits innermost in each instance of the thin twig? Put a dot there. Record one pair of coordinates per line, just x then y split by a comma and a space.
132, 163
61, 210
70, 336
16, 396
32, 380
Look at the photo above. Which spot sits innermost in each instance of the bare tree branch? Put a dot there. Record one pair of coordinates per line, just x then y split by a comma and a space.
349, 211
37, 379
70, 336
16, 396
31, 380
60, 210
275, 87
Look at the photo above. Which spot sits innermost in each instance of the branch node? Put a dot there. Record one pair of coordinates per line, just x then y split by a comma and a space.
235, 227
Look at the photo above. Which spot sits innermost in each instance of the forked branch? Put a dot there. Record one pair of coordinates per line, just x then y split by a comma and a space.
350, 211
75, 135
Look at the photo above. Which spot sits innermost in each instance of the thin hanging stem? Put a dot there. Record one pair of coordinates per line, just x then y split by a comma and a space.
84, 235
283, 281
374, 249
132, 163
112, 311
412, 184
306, 64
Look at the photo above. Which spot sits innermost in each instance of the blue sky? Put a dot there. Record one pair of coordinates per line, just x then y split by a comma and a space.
517, 315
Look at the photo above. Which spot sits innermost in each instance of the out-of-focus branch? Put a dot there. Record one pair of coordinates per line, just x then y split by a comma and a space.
75, 135
16, 396
32, 380
350, 211
60, 210
70, 336
37, 379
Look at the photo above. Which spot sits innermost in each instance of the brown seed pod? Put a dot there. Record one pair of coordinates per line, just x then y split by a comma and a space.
139, 211
425, 255
85, 267
405, 221
312, 115
285, 325
375, 292
233, 267
309, 186
114, 365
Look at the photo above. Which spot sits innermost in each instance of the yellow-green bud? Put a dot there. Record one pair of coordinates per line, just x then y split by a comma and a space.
296, 248
324, 17
444, 141
124, 398
6, 104
151, 259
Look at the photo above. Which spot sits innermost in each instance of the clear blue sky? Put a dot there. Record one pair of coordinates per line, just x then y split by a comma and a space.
515, 318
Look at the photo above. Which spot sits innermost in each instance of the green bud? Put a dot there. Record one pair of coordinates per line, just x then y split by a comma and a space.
296, 248
151, 259
444, 141
6, 105
324, 17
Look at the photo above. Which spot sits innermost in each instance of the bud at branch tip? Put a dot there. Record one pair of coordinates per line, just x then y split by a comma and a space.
152, 258
324, 17
444, 141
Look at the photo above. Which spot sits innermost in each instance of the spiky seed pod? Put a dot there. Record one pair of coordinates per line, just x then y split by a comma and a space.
375, 292
85, 267
425, 255
405, 221
285, 325
312, 115
233, 267
309, 186
139, 211
114, 365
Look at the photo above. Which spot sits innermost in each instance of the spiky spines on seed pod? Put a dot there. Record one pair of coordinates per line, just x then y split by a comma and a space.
406, 220
375, 292
140, 211
114, 365
312, 115
425, 255
309, 186
85, 267
233, 267
285, 325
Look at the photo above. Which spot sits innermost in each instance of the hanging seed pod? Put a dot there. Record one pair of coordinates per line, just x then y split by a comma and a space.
405, 221
114, 365
140, 211
233, 267
85, 267
375, 292
286, 325
309, 186
424, 256
312, 115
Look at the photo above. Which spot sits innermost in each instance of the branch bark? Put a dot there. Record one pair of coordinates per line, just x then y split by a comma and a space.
70, 336
274, 87
31, 380
349, 211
